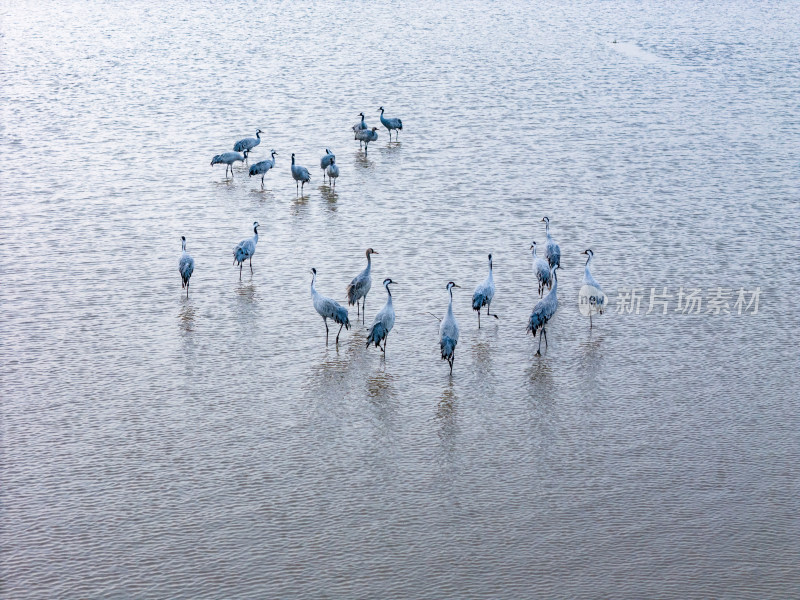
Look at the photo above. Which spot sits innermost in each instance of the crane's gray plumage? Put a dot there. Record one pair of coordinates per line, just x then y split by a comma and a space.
245, 249
542, 312
261, 168
391, 124
552, 252
448, 331
328, 309
367, 136
325, 161
542, 271
185, 266
359, 287
483, 295
227, 158
248, 144
333, 172
384, 321
300, 175
588, 279
362, 124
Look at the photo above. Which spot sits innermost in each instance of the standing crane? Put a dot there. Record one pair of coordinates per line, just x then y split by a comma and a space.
300, 175
261, 168
362, 124
333, 172
227, 158
248, 144
185, 266
542, 312
483, 295
359, 287
552, 252
448, 331
391, 124
325, 161
245, 249
367, 136
328, 309
542, 271
597, 300
384, 321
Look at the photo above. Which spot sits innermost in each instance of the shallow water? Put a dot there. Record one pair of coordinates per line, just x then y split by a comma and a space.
155, 446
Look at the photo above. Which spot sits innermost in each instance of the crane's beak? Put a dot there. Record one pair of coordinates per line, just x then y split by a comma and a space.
458, 286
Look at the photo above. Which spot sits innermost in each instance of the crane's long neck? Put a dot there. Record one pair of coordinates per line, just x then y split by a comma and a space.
588, 260
450, 306
547, 228
258, 134
369, 263
534, 253
388, 291
292, 159
273, 158
255, 237
313, 289
183, 245
555, 282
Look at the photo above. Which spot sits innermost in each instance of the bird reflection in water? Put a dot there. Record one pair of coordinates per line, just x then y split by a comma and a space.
186, 317
247, 291
446, 413
330, 196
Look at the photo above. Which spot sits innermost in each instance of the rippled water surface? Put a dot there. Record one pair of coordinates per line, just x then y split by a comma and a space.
214, 447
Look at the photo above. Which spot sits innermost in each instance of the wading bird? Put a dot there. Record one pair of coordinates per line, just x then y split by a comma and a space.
300, 175
448, 331
362, 124
245, 249
261, 168
248, 144
384, 321
328, 309
367, 136
333, 172
391, 124
227, 158
551, 250
542, 271
483, 295
359, 287
185, 266
597, 300
325, 161
542, 312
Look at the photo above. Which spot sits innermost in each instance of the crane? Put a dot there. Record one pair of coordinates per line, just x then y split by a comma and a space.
384, 321
597, 299
261, 168
300, 174
185, 266
325, 161
483, 295
367, 136
248, 144
333, 172
542, 312
391, 124
542, 271
245, 249
448, 331
359, 287
227, 158
328, 309
552, 252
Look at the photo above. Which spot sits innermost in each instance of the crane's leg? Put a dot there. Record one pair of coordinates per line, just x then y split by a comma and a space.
324, 320
384, 344
590, 320
358, 309
544, 333
363, 309
251, 265
262, 182
337, 335
187, 290
539, 349
240, 270
479, 319
490, 314
452, 358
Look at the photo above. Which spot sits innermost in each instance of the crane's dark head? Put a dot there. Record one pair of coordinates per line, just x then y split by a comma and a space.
313, 271
533, 245
374, 129
255, 226
490, 258
546, 220
381, 109
258, 131
183, 238
588, 252
274, 154
370, 251
452, 285
328, 151
387, 281
361, 115
333, 161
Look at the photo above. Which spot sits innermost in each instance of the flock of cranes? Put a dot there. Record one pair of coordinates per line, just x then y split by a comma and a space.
544, 268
